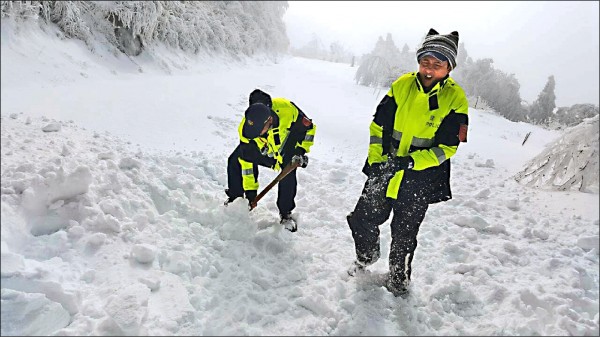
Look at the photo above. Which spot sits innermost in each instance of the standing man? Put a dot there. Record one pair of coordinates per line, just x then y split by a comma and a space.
416, 128
273, 133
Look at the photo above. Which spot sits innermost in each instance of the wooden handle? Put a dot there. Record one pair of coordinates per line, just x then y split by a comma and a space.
289, 168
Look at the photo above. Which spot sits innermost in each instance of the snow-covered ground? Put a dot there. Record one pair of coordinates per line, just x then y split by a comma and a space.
112, 217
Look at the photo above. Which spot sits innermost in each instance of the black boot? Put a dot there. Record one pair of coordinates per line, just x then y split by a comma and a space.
288, 222
230, 198
397, 288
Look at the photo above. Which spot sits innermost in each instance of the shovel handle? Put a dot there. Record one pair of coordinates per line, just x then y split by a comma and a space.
289, 168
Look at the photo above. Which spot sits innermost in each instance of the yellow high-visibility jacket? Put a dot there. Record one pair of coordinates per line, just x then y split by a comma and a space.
426, 126
292, 133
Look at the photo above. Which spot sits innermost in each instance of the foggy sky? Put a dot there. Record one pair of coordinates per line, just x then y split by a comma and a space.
532, 40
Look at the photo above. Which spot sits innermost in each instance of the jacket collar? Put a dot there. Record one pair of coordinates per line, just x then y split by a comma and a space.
434, 89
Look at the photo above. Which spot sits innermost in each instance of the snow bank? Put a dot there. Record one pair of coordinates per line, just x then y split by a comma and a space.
570, 163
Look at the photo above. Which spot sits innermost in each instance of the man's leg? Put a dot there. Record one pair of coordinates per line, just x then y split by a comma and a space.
234, 176
286, 193
408, 216
371, 210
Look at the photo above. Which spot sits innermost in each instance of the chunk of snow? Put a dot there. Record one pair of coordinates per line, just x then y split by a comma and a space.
31, 314
52, 127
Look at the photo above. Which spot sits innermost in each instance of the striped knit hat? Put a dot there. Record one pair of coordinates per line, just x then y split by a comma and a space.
447, 45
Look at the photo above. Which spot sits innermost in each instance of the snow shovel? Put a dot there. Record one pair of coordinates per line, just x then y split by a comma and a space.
289, 168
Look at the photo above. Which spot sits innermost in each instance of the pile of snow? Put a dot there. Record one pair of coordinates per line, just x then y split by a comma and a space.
81, 208
569, 163
101, 237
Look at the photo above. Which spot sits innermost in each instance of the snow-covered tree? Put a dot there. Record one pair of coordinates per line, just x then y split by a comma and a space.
234, 27
374, 70
338, 53
408, 60
498, 89
570, 163
461, 58
382, 65
405, 49
575, 114
542, 109
313, 49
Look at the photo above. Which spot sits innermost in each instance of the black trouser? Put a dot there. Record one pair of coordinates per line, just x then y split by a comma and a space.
373, 209
286, 188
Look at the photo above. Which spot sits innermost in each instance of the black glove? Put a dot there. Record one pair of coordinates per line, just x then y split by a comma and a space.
250, 195
377, 169
402, 163
302, 160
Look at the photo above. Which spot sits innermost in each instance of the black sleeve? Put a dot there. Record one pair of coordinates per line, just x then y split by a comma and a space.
448, 132
366, 168
384, 117
385, 111
300, 151
303, 123
251, 153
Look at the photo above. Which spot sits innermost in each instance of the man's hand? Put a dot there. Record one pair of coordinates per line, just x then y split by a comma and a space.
401, 163
301, 160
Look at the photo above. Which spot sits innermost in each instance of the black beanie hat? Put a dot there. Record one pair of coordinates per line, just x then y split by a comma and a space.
256, 118
447, 45
259, 96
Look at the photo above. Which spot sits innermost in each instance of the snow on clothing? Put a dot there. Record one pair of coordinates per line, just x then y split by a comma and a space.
426, 125
292, 133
